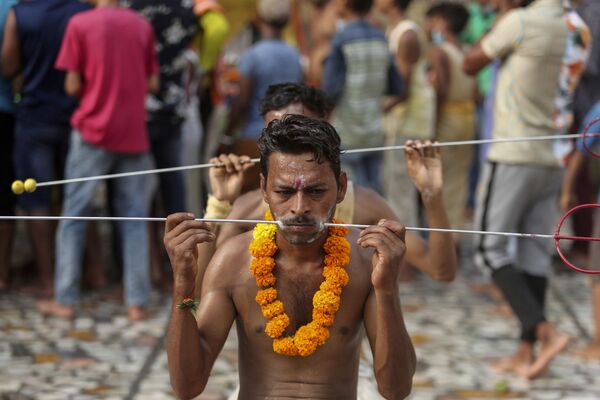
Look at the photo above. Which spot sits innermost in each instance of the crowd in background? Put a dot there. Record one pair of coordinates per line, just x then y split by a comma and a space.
91, 89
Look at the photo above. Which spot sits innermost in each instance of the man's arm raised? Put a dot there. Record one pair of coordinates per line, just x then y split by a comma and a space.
225, 186
394, 359
437, 257
193, 344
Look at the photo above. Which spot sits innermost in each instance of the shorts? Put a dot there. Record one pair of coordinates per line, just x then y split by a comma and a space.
7, 171
41, 151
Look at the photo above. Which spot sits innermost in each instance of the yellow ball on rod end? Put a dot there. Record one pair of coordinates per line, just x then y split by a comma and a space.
18, 187
30, 185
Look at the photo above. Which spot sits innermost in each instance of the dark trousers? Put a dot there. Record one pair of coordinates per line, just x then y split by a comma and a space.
165, 142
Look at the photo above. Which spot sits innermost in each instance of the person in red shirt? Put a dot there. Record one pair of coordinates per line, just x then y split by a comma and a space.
109, 57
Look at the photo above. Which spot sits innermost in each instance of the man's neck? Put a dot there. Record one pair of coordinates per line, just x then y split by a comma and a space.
107, 3
269, 33
302, 253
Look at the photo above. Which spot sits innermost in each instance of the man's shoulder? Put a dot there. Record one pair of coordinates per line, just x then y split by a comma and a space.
235, 248
248, 205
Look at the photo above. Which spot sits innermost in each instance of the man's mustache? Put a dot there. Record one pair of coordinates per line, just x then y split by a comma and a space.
300, 220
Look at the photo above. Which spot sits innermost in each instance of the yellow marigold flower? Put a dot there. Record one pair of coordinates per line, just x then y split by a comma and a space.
277, 325
264, 231
266, 296
266, 280
326, 301
262, 265
272, 309
285, 346
269, 216
330, 286
336, 245
336, 275
322, 318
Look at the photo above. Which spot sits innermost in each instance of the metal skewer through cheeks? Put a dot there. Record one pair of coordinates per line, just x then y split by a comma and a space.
557, 236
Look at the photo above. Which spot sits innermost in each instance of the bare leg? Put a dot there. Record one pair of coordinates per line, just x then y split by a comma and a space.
522, 358
552, 343
6, 240
54, 309
155, 260
592, 350
42, 236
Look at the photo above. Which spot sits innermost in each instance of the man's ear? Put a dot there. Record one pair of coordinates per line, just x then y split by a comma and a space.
342, 186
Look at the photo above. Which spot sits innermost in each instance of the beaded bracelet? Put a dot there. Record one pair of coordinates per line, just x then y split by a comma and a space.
189, 303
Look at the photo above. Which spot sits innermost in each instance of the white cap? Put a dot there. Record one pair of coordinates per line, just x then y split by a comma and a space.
274, 10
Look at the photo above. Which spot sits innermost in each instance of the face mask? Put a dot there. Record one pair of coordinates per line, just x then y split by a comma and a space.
437, 37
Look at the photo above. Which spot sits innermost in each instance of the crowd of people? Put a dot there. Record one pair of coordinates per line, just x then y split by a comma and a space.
91, 88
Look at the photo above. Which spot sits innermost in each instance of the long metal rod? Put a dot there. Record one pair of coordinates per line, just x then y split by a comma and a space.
256, 160
253, 222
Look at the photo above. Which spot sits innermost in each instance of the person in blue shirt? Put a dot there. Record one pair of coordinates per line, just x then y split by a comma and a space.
567, 201
32, 37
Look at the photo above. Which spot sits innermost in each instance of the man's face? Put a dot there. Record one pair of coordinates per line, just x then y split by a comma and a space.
302, 194
292, 108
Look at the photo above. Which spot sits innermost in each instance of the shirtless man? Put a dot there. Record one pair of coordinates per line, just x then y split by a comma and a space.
302, 184
361, 205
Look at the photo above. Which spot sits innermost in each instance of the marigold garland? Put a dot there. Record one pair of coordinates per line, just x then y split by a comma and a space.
326, 300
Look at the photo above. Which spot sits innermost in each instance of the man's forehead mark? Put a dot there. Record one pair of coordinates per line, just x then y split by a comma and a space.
300, 182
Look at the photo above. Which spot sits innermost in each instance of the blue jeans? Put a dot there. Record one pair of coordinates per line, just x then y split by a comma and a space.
165, 141
364, 169
130, 200
40, 153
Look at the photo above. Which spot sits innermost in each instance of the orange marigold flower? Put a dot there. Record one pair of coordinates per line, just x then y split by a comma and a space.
326, 301
330, 286
336, 245
266, 280
336, 275
262, 266
273, 309
266, 296
305, 340
268, 215
322, 318
276, 326
285, 346
337, 260
338, 230
321, 334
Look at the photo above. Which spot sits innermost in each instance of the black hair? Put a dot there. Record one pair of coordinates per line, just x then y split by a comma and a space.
297, 134
360, 7
277, 24
455, 14
402, 4
282, 95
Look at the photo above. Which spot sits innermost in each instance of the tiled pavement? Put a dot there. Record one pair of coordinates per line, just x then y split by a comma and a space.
100, 355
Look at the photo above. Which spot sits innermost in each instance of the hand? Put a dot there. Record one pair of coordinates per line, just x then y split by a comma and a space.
424, 164
567, 200
226, 181
387, 238
183, 234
